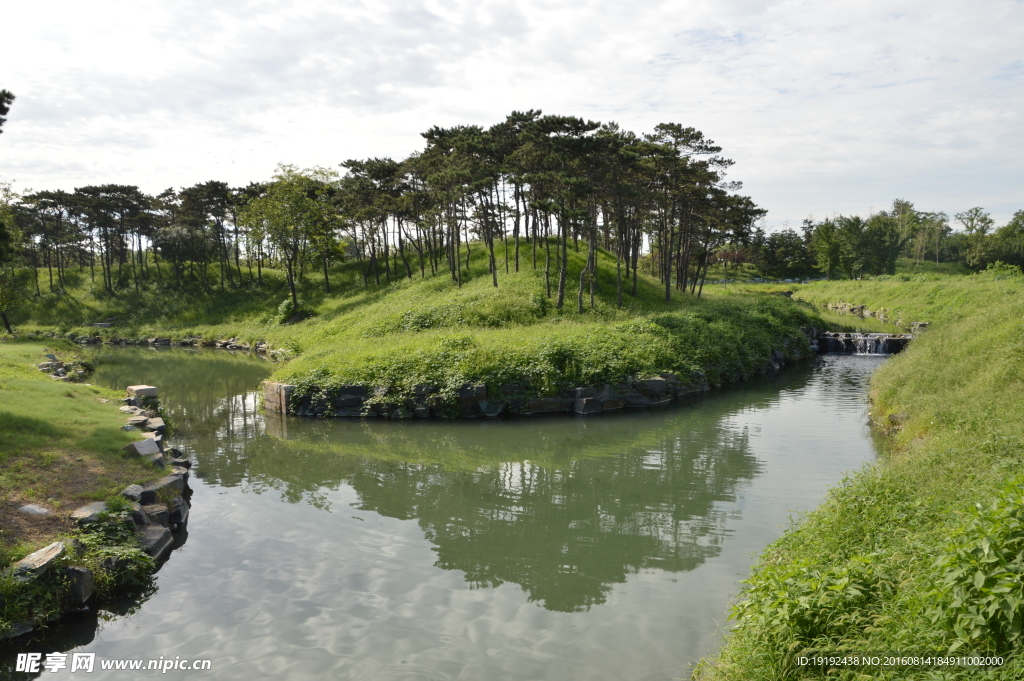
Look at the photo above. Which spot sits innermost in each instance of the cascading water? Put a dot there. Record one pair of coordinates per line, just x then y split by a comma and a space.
862, 343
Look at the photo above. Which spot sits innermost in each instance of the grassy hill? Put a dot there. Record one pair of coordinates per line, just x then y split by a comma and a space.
429, 330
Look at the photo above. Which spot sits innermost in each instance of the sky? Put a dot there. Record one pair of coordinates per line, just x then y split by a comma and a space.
826, 107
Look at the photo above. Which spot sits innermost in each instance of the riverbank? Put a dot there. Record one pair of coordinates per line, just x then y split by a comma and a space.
61, 448
918, 553
430, 339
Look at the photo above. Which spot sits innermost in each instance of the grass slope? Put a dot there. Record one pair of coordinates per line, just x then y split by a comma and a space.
923, 551
429, 330
59, 447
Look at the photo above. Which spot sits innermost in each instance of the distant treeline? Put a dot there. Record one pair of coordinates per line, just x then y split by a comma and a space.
540, 184
851, 246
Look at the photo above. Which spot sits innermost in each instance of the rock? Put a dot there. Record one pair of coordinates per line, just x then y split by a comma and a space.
637, 401
33, 509
90, 513
35, 564
179, 512
127, 409
142, 447
612, 404
348, 402
474, 392
422, 411
142, 391
172, 483
156, 424
156, 459
588, 405
138, 421
132, 492
80, 584
653, 387
17, 629
549, 405
584, 393
490, 408
155, 540
178, 462
157, 514
139, 516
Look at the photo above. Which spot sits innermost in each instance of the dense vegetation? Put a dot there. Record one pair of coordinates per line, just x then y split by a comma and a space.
550, 181
921, 552
851, 246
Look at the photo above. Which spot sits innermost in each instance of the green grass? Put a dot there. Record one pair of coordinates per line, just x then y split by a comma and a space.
428, 330
59, 441
889, 561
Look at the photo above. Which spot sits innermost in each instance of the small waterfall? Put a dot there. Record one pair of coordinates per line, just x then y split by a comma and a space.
862, 343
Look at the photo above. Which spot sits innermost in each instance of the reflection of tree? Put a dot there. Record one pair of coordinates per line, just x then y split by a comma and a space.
563, 507
566, 528
567, 534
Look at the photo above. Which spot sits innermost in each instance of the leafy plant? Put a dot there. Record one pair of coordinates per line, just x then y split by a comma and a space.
983, 575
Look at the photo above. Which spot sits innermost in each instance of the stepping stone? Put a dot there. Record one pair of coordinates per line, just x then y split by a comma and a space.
33, 509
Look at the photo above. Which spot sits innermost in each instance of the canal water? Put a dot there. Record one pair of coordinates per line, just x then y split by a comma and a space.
558, 548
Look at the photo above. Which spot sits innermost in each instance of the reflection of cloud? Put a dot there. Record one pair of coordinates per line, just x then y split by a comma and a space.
825, 107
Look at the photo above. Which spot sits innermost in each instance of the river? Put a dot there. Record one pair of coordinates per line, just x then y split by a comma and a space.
560, 548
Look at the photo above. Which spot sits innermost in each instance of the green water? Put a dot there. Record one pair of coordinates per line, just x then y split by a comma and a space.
561, 548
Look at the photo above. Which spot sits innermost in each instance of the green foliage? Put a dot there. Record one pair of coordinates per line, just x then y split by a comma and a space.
932, 532
983, 575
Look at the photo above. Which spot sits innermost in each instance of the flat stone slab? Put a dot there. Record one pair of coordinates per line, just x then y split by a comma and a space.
90, 513
155, 540
157, 424
142, 390
143, 447
35, 564
33, 509
139, 421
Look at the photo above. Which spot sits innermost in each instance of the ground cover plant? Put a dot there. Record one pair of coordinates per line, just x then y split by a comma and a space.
919, 552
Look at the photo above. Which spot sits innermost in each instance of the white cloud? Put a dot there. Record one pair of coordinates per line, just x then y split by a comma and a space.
825, 106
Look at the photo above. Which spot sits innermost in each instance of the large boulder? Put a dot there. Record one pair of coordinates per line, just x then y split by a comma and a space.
142, 391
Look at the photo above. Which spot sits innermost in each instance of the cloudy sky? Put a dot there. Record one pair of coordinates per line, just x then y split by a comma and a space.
826, 106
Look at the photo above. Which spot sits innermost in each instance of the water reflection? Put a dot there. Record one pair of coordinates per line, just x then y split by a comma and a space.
482, 549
